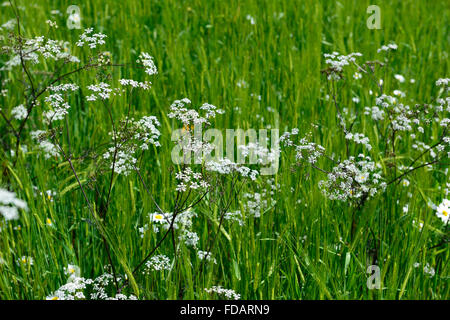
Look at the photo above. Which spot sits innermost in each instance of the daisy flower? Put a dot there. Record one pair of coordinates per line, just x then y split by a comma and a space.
443, 211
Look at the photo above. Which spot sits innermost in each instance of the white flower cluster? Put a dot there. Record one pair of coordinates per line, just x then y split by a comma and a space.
179, 111
443, 82
48, 148
183, 220
78, 287
146, 131
375, 113
92, 40
226, 166
19, 112
10, 205
259, 154
190, 238
132, 135
182, 224
9, 25
188, 179
188, 142
305, 150
206, 255
104, 58
387, 48
58, 106
100, 91
227, 293
337, 62
255, 204
259, 201
415, 120
32, 49
359, 138
147, 61
353, 179
146, 85
49, 49
235, 216
429, 270
72, 290
124, 163
404, 118
157, 263
64, 87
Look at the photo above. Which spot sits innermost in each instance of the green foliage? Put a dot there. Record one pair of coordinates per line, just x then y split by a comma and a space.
302, 248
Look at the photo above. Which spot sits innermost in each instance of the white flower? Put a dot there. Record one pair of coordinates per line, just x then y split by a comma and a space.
251, 19
58, 106
10, 205
147, 61
76, 287
337, 62
362, 177
135, 84
235, 216
389, 47
227, 293
206, 255
357, 75
443, 211
91, 40
341, 185
49, 222
242, 84
399, 93
429, 270
190, 238
48, 148
158, 217
226, 166
399, 78
25, 261
190, 179
157, 263
418, 224
19, 112
101, 90
72, 271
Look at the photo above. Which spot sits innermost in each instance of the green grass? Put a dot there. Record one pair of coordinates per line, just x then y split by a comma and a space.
202, 48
